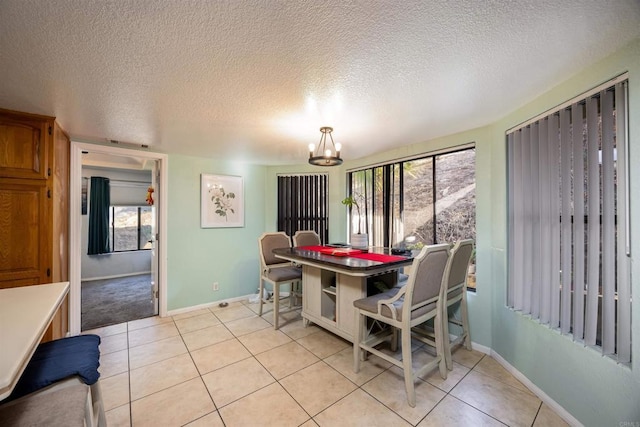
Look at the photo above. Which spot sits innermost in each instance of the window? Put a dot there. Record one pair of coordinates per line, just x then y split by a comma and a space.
568, 220
130, 228
302, 204
421, 201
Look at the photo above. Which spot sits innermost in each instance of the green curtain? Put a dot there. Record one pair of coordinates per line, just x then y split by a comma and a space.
99, 204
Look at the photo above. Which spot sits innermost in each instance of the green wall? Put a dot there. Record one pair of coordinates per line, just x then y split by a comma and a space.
197, 257
594, 389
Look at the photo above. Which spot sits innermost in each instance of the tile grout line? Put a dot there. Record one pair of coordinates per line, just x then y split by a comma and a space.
489, 376
200, 376
537, 413
278, 381
341, 374
129, 379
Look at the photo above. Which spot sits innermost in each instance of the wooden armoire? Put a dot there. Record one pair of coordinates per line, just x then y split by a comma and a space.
34, 206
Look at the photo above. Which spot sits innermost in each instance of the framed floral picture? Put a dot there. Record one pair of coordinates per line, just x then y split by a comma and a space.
222, 201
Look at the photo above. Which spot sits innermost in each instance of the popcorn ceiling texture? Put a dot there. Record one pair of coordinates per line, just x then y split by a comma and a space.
255, 79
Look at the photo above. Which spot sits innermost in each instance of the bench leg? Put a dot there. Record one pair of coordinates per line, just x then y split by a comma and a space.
98, 406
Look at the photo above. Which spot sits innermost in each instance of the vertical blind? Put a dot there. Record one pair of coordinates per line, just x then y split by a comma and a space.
568, 220
302, 204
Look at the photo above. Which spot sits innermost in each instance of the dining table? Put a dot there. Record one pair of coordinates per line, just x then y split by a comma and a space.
334, 277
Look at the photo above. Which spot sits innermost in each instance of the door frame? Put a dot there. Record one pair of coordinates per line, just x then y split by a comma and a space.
75, 224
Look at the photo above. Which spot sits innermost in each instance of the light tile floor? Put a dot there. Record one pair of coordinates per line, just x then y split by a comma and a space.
229, 367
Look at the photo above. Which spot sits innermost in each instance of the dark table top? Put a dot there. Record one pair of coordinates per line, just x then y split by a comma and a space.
349, 263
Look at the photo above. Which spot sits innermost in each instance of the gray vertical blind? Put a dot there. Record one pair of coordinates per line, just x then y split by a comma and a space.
593, 227
623, 245
568, 220
608, 225
578, 225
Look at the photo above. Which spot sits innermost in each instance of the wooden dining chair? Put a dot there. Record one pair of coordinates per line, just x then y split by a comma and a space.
276, 271
306, 238
402, 308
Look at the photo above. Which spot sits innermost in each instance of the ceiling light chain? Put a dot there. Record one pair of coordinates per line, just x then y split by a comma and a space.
324, 156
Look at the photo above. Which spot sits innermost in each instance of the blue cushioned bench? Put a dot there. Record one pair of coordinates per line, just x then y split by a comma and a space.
58, 363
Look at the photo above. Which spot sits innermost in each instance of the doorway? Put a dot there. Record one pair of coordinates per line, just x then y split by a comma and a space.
117, 283
132, 172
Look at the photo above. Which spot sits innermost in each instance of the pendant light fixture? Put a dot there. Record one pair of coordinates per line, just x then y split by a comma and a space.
324, 156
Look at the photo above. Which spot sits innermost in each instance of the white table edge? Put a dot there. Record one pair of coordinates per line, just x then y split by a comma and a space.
13, 369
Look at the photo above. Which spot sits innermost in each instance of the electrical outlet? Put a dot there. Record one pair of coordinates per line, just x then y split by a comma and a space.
216, 286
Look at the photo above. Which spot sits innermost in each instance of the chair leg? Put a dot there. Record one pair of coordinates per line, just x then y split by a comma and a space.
446, 341
465, 322
261, 296
442, 341
394, 339
276, 306
298, 293
291, 295
88, 412
407, 367
98, 405
357, 339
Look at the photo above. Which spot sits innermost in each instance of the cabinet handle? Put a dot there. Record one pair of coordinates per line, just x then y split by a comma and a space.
49, 193
48, 272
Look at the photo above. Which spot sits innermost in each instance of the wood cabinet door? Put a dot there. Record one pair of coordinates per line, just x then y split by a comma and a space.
25, 236
23, 147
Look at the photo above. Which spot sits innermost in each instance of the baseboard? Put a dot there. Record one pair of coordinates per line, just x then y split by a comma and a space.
570, 419
474, 345
481, 348
206, 305
115, 276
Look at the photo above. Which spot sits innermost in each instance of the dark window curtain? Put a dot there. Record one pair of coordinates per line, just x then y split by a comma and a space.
99, 216
302, 204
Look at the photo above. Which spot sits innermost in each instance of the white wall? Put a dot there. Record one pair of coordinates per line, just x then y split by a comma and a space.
125, 193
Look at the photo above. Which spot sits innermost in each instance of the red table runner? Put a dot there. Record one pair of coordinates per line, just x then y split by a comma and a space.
354, 253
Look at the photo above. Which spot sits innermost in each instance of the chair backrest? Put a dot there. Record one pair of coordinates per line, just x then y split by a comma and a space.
270, 241
306, 238
461, 257
427, 277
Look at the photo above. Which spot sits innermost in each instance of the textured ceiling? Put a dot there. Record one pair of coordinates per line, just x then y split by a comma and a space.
254, 80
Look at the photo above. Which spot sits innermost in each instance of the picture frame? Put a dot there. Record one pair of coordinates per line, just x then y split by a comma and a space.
221, 201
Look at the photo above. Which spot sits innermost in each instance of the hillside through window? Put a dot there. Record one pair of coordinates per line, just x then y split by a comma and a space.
130, 228
417, 202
